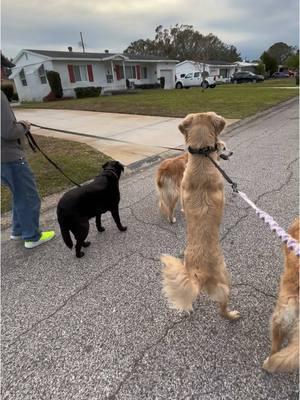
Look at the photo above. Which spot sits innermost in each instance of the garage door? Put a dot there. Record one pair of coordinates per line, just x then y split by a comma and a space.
169, 79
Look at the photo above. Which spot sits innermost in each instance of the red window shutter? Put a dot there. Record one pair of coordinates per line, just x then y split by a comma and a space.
90, 73
71, 73
118, 75
138, 72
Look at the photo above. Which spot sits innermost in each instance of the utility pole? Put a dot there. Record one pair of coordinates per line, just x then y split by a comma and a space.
82, 44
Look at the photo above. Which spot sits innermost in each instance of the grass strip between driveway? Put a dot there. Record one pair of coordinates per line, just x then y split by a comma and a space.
79, 161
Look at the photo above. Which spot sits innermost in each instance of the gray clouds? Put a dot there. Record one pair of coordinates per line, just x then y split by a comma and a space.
251, 26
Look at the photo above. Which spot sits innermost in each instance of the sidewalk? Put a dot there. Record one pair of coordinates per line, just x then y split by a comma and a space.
143, 131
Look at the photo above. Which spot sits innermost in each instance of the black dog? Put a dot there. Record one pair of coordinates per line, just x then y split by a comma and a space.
79, 205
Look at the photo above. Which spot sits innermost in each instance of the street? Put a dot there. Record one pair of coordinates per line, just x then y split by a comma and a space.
100, 328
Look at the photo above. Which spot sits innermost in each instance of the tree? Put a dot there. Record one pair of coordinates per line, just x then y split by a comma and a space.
183, 42
280, 52
270, 63
293, 61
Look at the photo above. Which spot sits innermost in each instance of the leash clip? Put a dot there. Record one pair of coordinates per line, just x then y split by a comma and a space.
234, 187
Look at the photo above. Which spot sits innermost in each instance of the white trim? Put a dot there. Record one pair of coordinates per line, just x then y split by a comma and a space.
15, 60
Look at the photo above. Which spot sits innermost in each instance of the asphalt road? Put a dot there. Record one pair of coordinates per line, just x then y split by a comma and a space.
99, 327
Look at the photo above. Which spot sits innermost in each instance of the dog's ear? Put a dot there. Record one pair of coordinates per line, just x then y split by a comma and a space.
105, 165
218, 123
184, 125
121, 166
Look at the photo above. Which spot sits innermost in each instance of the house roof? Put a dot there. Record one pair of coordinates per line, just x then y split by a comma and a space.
101, 56
209, 62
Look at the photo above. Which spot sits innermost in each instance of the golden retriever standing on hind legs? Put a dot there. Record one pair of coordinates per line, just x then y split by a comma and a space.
285, 318
203, 202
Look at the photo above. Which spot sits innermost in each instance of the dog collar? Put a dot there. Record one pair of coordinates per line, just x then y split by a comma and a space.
203, 150
113, 172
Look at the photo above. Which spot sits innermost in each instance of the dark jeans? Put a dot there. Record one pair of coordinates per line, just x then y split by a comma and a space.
18, 176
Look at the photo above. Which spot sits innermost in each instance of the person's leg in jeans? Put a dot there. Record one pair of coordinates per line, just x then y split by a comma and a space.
26, 202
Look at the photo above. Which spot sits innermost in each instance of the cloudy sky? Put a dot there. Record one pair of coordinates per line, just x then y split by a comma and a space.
250, 25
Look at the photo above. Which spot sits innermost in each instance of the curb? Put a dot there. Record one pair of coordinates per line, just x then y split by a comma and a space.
50, 202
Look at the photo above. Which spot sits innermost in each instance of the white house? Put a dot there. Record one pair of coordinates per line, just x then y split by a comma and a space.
246, 66
220, 70
77, 69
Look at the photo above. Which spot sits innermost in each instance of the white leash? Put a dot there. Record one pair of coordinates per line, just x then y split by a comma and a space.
290, 242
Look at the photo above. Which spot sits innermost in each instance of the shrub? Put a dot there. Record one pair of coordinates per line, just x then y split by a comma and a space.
8, 89
89, 91
15, 96
147, 86
162, 82
50, 97
55, 83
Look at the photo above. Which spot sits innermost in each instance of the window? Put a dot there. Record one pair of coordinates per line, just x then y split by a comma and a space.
80, 73
189, 76
23, 77
42, 74
130, 72
196, 74
144, 73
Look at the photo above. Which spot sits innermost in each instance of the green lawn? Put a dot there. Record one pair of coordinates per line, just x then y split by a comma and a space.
77, 160
231, 101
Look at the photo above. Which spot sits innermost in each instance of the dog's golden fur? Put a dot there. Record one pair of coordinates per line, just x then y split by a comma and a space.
203, 202
168, 181
285, 318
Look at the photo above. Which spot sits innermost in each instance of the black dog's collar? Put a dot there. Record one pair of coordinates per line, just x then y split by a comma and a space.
203, 150
113, 172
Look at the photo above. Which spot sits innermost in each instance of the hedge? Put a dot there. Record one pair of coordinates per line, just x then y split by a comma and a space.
89, 91
8, 90
55, 83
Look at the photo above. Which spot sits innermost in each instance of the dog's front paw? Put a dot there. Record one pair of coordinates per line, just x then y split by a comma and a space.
122, 228
266, 364
80, 254
233, 315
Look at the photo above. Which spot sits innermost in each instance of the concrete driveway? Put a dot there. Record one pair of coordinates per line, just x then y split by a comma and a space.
100, 328
143, 131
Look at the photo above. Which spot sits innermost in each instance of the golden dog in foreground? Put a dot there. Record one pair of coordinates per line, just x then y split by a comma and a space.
203, 202
285, 318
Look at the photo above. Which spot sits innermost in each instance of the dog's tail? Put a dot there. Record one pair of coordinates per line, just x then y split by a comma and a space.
179, 287
65, 231
168, 195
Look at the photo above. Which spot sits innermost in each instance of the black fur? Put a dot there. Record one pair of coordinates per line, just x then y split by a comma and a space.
79, 205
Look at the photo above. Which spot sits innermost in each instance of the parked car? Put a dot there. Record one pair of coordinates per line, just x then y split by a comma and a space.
279, 75
194, 79
246, 76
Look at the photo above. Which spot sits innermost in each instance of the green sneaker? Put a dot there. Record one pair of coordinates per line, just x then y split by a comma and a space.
45, 237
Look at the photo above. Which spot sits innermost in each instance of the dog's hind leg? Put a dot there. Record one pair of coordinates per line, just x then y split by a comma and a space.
81, 234
116, 218
220, 292
98, 223
278, 334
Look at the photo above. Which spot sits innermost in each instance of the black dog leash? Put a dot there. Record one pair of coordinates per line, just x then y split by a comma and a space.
229, 180
33, 144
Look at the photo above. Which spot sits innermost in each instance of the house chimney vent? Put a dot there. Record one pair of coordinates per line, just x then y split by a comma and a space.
106, 51
70, 49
